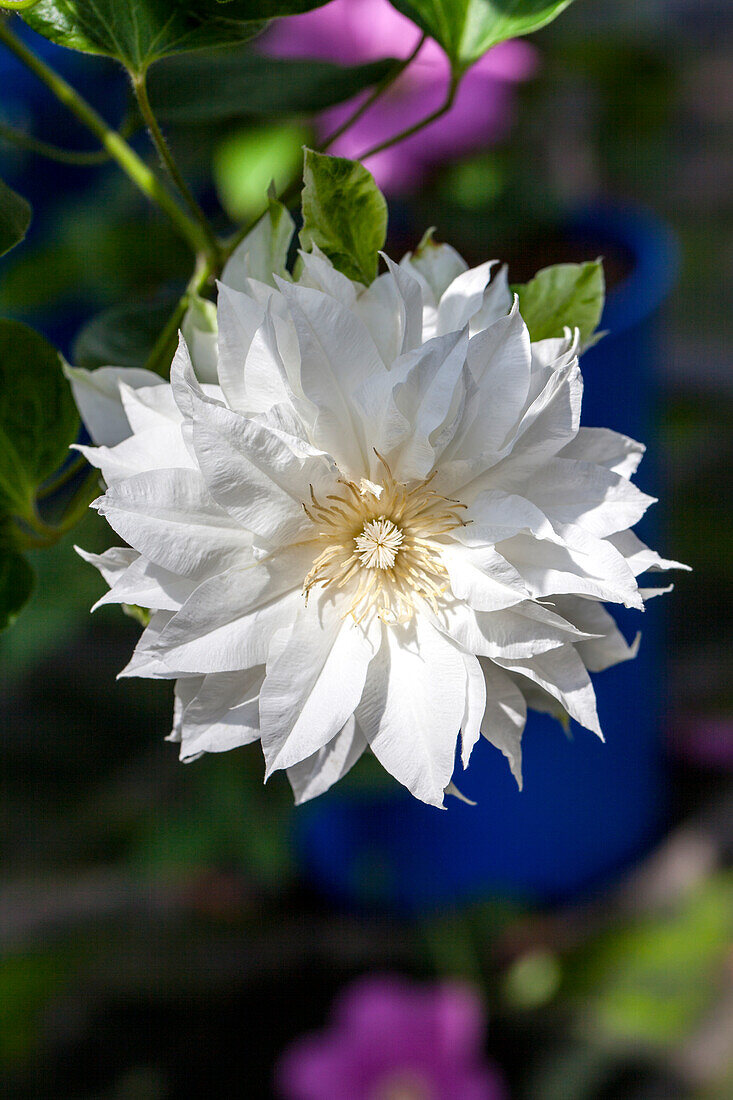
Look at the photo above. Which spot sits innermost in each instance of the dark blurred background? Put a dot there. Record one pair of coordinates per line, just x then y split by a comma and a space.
168, 929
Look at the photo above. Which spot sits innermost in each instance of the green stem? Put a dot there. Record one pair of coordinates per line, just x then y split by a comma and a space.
164, 347
18, 5
376, 94
397, 138
125, 156
140, 88
52, 152
63, 477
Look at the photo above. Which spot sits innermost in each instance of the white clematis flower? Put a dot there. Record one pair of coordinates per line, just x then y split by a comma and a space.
379, 526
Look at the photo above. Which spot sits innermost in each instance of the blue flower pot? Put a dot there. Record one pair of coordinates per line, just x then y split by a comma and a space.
588, 809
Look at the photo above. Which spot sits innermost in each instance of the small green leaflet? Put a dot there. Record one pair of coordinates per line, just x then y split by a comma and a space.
139, 32
467, 29
563, 295
38, 418
15, 217
344, 214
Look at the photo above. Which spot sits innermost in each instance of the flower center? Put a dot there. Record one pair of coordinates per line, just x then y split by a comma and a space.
381, 544
378, 543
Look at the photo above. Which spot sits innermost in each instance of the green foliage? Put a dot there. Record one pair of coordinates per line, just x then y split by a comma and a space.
204, 89
248, 160
15, 217
653, 981
139, 32
466, 29
344, 214
123, 335
38, 418
565, 294
16, 585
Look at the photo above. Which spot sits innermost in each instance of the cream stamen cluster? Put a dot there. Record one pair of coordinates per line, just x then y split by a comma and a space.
382, 541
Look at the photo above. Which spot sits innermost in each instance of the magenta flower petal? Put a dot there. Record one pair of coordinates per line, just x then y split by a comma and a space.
354, 31
390, 1038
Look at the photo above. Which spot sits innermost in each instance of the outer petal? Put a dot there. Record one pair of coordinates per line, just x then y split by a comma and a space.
229, 622
521, 632
319, 772
154, 449
563, 675
134, 580
259, 475
412, 707
616, 452
473, 714
505, 717
169, 516
313, 686
610, 647
223, 713
639, 557
97, 396
587, 495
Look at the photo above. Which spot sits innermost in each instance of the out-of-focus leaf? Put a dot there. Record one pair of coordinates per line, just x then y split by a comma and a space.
466, 29
16, 585
219, 87
15, 217
344, 214
652, 982
248, 160
138, 32
124, 335
38, 418
563, 295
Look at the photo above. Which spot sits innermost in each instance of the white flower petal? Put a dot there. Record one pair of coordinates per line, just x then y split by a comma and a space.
618, 453
505, 716
610, 647
483, 578
319, 772
473, 714
313, 686
229, 621
97, 396
412, 707
222, 714
463, 298
169, 516
563, 675
337, 354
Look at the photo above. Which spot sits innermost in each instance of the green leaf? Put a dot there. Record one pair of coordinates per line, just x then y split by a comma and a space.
139, 32
15, 217
123, 335
344, 214
248, 160
466, 29
16, 585
242, 84
565, 294
38, 418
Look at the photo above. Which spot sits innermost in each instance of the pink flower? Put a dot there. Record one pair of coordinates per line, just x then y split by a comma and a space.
390, 1039
355, 31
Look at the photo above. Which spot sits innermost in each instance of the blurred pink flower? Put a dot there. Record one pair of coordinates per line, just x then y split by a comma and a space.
706, 740
355, 31
390, 1039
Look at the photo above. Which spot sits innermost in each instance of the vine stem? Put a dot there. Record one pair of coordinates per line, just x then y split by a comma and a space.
119, 150
433, 117
377, 92
163, 347
140, 88
53, 152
